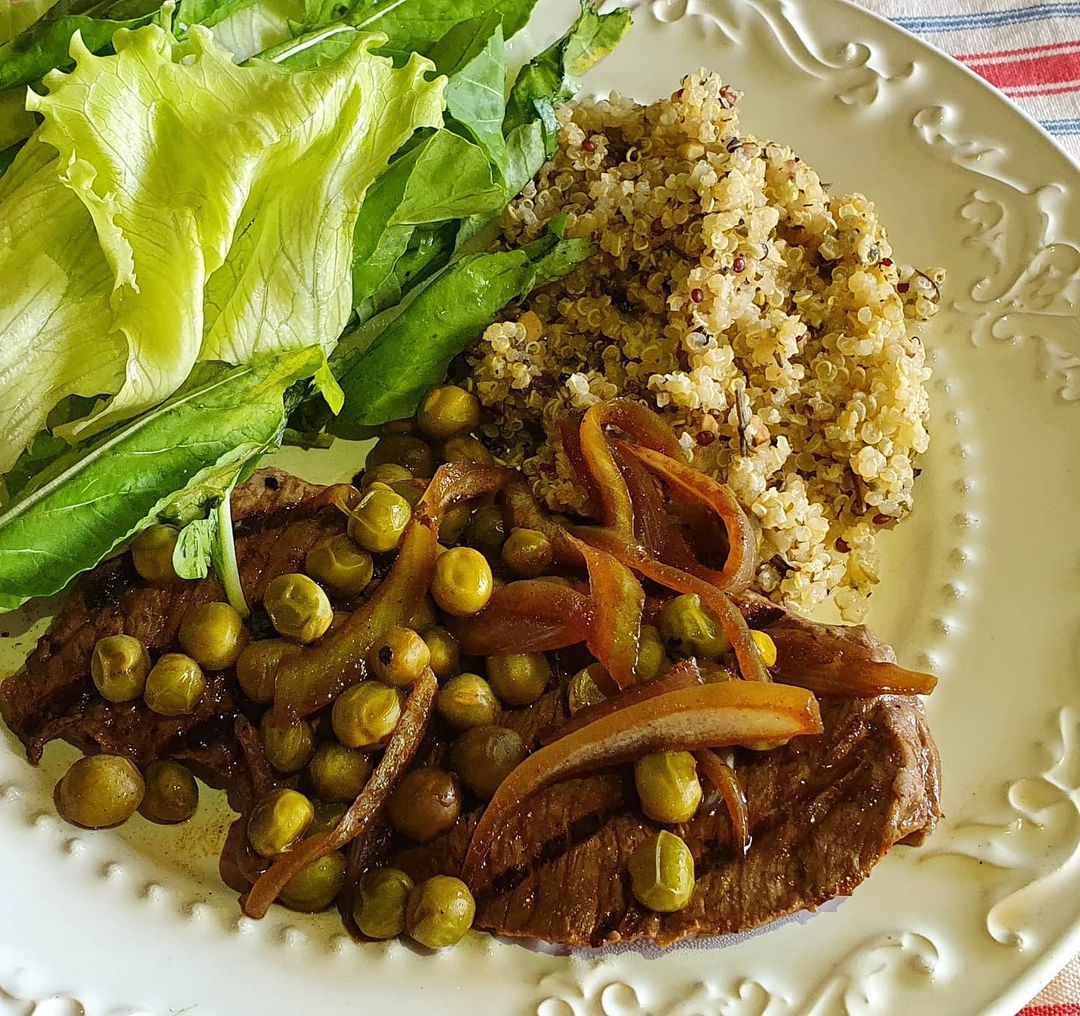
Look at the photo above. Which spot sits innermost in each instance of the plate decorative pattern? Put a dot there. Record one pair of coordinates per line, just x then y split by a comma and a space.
981, 585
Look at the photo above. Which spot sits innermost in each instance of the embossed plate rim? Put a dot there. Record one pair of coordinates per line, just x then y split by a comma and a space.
92, 873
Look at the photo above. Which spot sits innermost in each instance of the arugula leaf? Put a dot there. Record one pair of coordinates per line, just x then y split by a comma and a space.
473, 58
390, 377
218, 229
171, 461
312, 49
17, 17
444, 177
551, 77
45, 44
15, 122
526, 152
530, 126
414, 26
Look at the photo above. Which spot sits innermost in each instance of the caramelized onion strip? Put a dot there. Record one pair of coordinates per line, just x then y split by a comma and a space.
738, 570
833, 666
723, 778
684, 674
312, 678
365, 810
704, 716
618, 601
616, 508
751, 666
528, 616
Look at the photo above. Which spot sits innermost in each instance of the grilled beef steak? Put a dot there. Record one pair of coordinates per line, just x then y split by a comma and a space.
278, 517
823, 810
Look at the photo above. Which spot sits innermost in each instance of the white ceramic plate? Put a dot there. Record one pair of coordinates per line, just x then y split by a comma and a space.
982, 586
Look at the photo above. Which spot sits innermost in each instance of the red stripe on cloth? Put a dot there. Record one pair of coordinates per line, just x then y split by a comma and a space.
1028, 93
1052, 69
1061, 1009
995, 54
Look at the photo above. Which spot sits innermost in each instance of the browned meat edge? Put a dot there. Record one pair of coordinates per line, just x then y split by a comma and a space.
823, 810
53, 696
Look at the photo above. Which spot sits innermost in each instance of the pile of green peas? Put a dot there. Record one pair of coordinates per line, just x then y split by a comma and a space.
328, 759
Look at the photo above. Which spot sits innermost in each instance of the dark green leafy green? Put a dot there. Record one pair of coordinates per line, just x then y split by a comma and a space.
415, 25
7, 157
442, 178
390, 377
529, 126
552, 76
313, 49
473, 57
46, 446
170, 461
45, 44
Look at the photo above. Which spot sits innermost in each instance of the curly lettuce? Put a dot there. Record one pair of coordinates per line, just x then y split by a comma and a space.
191, 209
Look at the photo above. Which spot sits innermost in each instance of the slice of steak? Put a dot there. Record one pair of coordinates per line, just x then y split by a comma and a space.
823, 810
277, 517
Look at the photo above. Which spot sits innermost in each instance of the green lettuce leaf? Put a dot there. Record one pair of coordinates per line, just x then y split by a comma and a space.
45, 45
17, 17
170, 462
243, 27
54, 306
226, 218
388, 379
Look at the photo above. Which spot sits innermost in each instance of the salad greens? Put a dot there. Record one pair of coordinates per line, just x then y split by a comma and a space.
473, 58
388, 379
225, 208
244, 246
16, 18
441, 178
45, 44
172, 462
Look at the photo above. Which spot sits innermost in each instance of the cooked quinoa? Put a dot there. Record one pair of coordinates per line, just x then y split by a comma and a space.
764, 317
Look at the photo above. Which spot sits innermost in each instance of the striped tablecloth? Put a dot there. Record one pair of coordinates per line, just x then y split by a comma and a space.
1031, 51
1027, 48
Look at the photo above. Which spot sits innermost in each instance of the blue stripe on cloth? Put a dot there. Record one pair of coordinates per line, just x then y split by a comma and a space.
1062, 127
987, 19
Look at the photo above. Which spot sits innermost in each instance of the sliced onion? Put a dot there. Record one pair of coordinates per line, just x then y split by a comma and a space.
706, 716
312, 678
818, 658
723, 778
363, 814
528, 616
616, 508
751, 666
684, 674
618, 601
570, 433
738, 570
